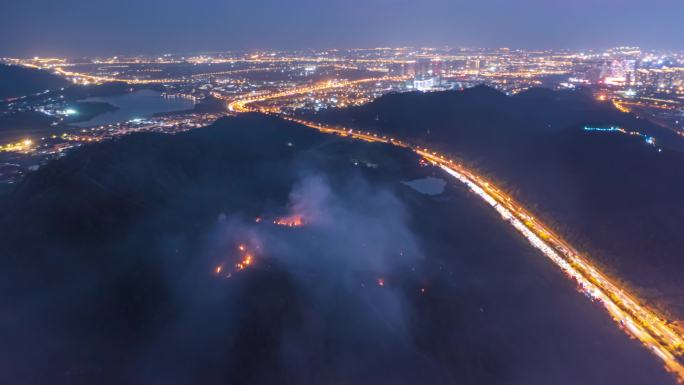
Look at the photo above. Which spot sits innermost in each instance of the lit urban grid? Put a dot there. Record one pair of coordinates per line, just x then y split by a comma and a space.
649, 84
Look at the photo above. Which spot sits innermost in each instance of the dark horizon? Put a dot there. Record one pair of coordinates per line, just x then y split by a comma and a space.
75, 28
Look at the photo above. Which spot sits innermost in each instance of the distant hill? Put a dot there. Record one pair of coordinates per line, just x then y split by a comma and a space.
16, 81
613, 195
483, 114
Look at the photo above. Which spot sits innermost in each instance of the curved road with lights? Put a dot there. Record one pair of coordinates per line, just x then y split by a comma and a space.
633, 316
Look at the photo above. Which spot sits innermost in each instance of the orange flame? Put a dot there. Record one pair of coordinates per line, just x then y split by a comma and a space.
290, 221
246, 260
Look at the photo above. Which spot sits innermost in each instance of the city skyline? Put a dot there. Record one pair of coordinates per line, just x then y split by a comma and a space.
132, 28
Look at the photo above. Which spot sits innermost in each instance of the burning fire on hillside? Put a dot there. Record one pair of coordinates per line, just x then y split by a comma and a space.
290, 221
246, 259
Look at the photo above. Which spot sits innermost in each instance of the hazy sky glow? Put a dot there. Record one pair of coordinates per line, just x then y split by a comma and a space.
75, 27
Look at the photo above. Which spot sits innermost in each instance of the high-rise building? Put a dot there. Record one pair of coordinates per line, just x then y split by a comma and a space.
423, 67
473, 66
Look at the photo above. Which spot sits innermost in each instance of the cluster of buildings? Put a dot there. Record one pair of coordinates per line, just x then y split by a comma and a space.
630, 67
649, 83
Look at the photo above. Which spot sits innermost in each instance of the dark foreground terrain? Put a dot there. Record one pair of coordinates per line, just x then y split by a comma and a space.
613, 195
119, 266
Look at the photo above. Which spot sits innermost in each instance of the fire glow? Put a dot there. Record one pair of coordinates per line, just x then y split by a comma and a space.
246, 259
290, 221
244, 263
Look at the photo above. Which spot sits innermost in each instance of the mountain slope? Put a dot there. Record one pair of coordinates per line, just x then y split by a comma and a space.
121, 264
16, 81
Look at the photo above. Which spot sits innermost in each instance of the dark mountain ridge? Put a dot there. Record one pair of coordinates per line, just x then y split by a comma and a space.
16, 81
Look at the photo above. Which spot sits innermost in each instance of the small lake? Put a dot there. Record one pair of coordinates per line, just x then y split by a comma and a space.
138, 104
427, 186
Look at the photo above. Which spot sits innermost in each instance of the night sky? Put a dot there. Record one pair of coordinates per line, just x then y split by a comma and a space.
85, 27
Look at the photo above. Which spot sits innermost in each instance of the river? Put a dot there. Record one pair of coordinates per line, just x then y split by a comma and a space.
138, 104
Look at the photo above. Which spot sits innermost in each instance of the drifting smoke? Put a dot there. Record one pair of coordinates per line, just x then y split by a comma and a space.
337, 280
345, 263
141, 281
357, 227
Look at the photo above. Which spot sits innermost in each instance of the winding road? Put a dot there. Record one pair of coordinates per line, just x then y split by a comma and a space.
633, 316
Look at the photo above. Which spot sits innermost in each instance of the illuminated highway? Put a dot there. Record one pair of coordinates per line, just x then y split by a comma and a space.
84, 78
88, 79
639, 321
242, 104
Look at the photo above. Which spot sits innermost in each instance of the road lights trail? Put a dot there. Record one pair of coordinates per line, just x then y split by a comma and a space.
639, 321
